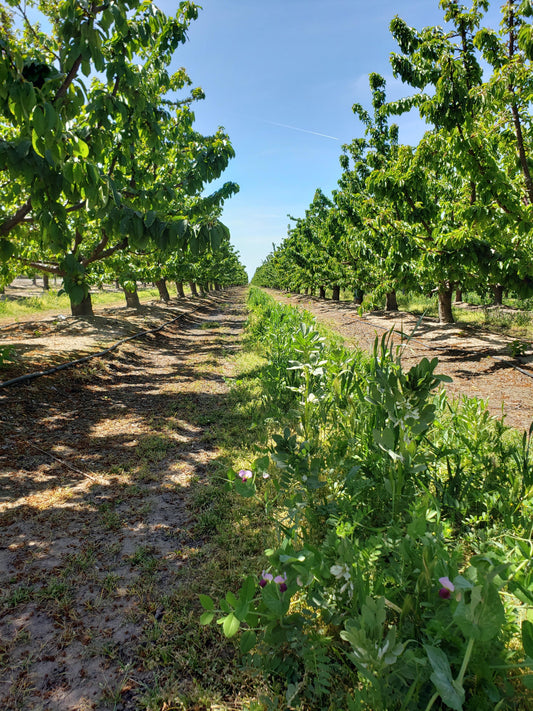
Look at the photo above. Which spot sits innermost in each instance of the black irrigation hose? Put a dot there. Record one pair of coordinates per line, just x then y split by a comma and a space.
38, 374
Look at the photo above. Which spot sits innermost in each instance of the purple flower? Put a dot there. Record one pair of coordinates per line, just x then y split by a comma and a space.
447, 588
281, 580
245, 474
265, 578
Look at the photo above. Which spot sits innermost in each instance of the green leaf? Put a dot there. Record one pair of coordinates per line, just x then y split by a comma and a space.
231, 599
247, 489
206, 602
231, 625
248, 641
39, 121
77, 294
80, 149
276, 604
50, 117
7, 249
443, 680
248, 589
206, 617
527, 637
150, 218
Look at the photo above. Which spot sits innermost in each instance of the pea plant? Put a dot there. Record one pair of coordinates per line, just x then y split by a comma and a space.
399, 578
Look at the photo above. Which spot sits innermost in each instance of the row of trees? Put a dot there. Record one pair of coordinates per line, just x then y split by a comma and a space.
101, 168
454, 212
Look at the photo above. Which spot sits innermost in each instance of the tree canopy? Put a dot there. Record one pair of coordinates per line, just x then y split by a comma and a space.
98, 151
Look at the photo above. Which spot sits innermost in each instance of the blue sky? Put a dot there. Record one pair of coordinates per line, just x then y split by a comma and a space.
281, 78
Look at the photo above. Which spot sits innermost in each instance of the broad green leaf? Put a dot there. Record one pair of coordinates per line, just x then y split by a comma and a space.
248, 641
7, 249
50, 117
207, 617
231, 625
80, 149
206, 602
443, 680
231, 599
77, 294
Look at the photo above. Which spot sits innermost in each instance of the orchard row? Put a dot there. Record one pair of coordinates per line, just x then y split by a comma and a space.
103, 171
453, 212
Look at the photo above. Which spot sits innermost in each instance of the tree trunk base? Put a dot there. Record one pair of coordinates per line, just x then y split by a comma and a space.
132, 299
163, 291
391, 302
84, 308
497, 295
445, 305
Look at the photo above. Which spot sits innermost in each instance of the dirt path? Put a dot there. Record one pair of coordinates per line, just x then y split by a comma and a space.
100, 540
478, 361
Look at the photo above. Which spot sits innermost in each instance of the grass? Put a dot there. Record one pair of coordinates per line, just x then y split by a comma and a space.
517, 323
21, 307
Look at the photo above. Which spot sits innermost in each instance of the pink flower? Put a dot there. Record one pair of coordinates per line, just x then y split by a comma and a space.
265, 578
447, 588
281, 580
245, 474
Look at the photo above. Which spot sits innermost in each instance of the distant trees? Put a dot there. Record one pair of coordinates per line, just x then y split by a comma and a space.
456, 211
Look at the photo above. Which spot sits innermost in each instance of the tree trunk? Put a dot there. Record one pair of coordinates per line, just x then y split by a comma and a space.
458, 296
217, 286
132, 298
194, 290
445, 304
321, 292
117, 285
179, 289
391, 302
46, 282
358, 296
162, 289
336, 292
497, 294
85, 308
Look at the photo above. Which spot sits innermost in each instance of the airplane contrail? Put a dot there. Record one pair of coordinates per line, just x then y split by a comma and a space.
303, 130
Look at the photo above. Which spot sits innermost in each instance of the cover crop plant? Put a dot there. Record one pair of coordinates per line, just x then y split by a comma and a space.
398, 579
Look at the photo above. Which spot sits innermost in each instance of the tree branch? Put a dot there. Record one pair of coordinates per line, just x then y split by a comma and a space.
16, 219
107, 252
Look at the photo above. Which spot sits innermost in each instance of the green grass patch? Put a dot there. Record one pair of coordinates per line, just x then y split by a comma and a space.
21, 307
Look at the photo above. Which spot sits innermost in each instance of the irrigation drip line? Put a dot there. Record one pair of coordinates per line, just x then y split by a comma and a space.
70, 364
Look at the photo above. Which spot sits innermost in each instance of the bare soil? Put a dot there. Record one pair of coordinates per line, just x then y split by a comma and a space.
100, 468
